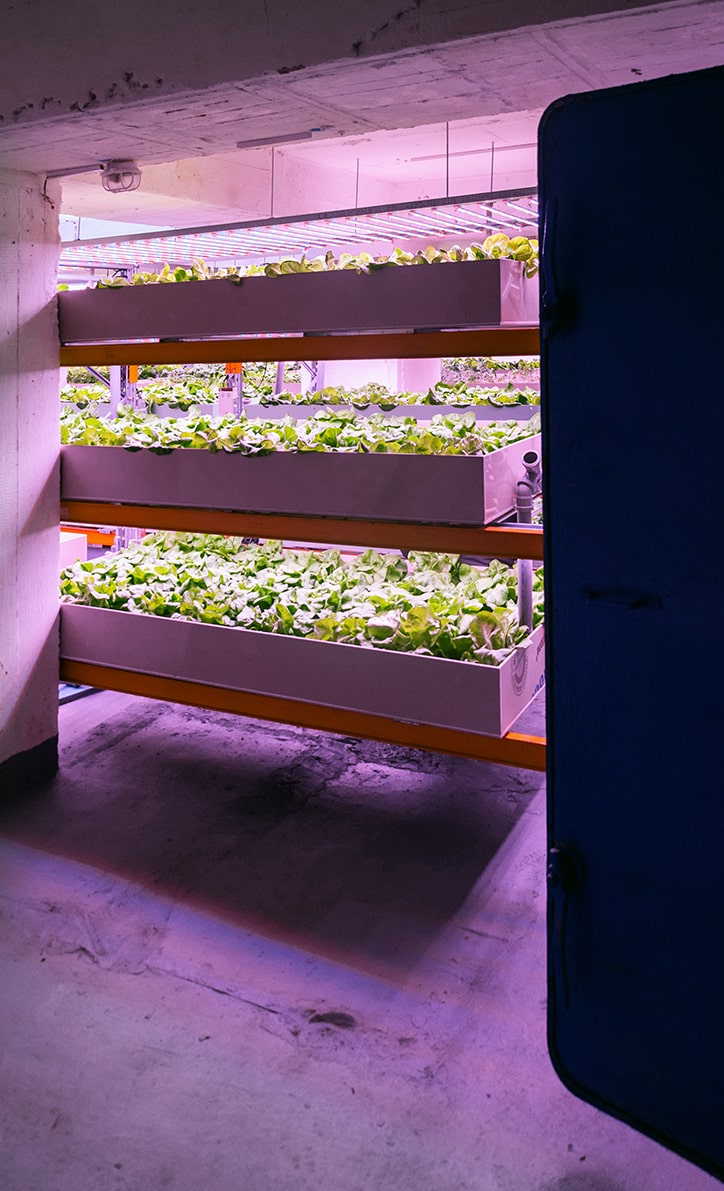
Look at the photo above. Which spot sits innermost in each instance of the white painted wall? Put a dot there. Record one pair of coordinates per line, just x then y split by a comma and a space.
306, 187
28, 464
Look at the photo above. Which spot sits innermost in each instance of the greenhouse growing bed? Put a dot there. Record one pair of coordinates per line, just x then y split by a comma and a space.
423, 639
407, 687
474, 293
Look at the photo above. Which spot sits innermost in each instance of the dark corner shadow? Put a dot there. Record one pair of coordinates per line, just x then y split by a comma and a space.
351, 847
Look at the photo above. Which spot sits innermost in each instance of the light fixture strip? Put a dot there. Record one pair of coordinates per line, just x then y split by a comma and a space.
470, 215
422, 222
530, 212
494, 218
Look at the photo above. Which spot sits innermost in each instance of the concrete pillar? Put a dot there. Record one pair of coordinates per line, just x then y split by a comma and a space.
29, 539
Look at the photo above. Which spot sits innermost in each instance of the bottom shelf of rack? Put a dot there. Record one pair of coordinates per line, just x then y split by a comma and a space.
514, 749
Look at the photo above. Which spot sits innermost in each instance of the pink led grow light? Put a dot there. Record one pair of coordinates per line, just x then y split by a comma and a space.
514, 212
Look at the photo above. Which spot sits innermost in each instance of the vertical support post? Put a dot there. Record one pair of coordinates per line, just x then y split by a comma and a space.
116, 389
308, 371
526, 489
234, 384
525, 592
124, 379
125, 536
29, 478
238, 387
132, 397
117, 379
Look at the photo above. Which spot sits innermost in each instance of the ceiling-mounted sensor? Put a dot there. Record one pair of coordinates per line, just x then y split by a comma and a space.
120, 176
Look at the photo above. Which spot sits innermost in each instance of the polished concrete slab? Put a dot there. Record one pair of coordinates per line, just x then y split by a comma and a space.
250, 957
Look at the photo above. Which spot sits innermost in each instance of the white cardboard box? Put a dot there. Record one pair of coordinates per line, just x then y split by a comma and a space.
408, 687
73, 548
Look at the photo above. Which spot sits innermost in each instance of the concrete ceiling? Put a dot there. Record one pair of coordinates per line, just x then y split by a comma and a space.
391, 114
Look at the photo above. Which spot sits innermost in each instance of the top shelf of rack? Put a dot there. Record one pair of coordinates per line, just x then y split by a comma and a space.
460, 295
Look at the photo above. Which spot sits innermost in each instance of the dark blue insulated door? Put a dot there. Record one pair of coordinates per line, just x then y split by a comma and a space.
632, 200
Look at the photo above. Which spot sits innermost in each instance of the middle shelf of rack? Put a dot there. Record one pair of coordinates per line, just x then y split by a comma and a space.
455, 490
493, 541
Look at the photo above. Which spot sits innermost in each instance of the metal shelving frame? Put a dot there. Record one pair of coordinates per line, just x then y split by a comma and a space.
514, 749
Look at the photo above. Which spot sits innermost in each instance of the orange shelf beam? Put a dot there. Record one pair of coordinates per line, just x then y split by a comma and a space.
489, 341
486, 542
515, 749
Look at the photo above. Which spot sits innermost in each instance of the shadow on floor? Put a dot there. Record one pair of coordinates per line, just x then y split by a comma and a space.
354, 846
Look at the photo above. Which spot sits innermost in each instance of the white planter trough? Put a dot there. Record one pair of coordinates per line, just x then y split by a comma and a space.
435, 489
421, 413
399, 298
415, 689
162, 409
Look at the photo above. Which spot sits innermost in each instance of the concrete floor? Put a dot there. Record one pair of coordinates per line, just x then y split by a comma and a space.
247, 957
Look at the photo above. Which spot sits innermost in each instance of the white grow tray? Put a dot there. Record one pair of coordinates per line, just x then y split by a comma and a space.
399, 298
421, 413
435, 489
407, 687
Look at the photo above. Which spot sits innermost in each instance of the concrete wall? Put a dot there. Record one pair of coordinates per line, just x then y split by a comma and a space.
28, 465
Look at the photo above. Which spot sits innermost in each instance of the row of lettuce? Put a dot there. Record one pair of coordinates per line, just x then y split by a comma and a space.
444, 434
185, 394
494, 247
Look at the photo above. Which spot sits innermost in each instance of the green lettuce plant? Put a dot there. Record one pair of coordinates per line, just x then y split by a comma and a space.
84, 396
179, 395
